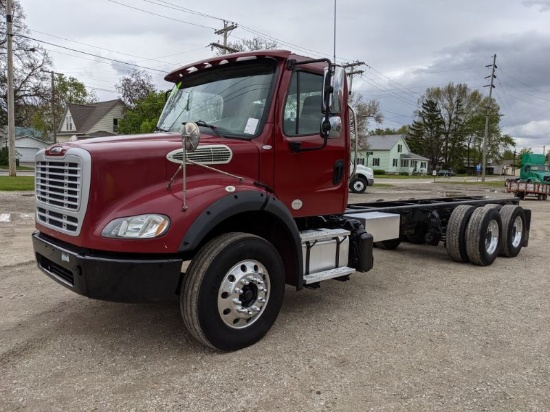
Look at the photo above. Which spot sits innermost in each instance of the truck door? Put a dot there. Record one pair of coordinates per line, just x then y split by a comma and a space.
309, 182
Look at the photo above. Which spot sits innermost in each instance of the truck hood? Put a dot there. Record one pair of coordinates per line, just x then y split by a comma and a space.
125, 165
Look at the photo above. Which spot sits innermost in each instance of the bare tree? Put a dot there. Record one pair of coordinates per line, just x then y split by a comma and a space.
135, 87
255, 43
31, 66
365, 110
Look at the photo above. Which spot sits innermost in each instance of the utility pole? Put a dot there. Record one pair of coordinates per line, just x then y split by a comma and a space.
227, 28
486, 134
11, 105
352, 72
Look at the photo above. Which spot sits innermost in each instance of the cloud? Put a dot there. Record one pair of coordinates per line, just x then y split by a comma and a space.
543, 4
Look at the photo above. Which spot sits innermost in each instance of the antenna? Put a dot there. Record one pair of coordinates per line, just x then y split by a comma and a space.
334, 41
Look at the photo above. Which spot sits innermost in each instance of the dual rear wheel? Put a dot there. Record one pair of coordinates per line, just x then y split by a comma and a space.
479, 235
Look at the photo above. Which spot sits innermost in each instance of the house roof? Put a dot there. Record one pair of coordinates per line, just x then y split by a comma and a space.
414, 156
383, 142
85, 116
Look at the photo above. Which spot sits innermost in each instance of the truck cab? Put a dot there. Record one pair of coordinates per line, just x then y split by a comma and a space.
534, 169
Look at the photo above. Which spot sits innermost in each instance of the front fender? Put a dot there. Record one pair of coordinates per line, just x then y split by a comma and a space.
234, 204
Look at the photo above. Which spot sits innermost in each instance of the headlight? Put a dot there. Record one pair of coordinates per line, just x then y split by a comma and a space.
137, 227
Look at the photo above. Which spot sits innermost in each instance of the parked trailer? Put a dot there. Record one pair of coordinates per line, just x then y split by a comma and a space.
522, 189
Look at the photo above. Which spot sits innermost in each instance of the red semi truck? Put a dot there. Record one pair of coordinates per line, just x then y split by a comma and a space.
242, 190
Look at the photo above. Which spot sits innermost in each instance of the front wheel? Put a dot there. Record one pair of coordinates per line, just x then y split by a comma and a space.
358, 185
233, 291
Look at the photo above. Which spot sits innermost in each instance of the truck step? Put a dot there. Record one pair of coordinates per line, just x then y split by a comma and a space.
322, 234
328, 274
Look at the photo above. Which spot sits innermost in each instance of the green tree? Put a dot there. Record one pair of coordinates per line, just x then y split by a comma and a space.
426, 133
388, 131
144, 115
463, 113
66, 90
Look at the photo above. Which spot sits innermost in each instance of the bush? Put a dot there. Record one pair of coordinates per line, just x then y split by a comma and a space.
4, 159
404, 174
379, 172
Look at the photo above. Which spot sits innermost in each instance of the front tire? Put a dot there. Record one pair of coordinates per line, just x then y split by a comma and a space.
233, 291
358, 185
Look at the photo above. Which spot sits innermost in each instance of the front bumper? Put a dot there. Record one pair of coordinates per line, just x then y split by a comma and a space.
370, 182
112, 277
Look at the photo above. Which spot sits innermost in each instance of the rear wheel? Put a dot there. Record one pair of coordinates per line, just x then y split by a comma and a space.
358, 185
483, 236
456, 232
232, 291
513, 230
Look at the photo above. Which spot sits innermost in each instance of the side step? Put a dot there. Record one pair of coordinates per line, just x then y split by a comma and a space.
328, 274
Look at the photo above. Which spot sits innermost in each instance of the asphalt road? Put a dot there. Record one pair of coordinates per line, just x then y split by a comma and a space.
419, 332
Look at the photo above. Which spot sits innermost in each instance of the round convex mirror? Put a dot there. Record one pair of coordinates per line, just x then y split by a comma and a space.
191, 136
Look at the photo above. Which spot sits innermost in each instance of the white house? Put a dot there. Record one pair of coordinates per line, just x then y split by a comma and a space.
391, 153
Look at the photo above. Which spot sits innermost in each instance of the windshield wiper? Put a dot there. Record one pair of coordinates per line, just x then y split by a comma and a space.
210, 126
160, 129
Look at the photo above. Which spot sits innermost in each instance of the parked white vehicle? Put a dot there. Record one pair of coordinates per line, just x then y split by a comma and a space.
362, 178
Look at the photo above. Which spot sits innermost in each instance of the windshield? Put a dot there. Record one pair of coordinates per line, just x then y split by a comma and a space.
231, 99
540, 168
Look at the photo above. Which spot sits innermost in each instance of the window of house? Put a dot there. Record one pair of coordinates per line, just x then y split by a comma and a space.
69, 122
404, 162
376, 161
115, 125
302, 112
399, 148
361, 161
394, 163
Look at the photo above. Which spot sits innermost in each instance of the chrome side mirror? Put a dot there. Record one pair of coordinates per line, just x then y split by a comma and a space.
333, 90
190, 136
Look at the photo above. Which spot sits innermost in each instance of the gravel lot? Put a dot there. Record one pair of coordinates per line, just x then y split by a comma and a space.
419, 332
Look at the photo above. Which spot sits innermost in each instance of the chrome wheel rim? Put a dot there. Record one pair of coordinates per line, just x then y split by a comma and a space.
358, 186
517, 232
491, 237
243, 294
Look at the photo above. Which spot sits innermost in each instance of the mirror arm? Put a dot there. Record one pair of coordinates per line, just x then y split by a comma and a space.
356, 137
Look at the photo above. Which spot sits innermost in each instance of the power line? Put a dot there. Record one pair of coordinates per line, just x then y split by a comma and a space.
93, 55
161, 15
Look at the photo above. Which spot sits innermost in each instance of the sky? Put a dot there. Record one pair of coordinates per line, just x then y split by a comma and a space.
407, 46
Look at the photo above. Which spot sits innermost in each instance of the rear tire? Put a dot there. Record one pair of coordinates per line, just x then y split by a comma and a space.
232, 291
483, 236
513, 230
456, 232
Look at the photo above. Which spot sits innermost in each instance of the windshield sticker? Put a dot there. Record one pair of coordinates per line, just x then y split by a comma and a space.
251, 125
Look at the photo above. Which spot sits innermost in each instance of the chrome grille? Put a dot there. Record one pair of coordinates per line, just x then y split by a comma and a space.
59, 184
62, 186
208, 154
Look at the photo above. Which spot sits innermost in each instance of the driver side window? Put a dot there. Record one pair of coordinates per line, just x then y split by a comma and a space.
302, 111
